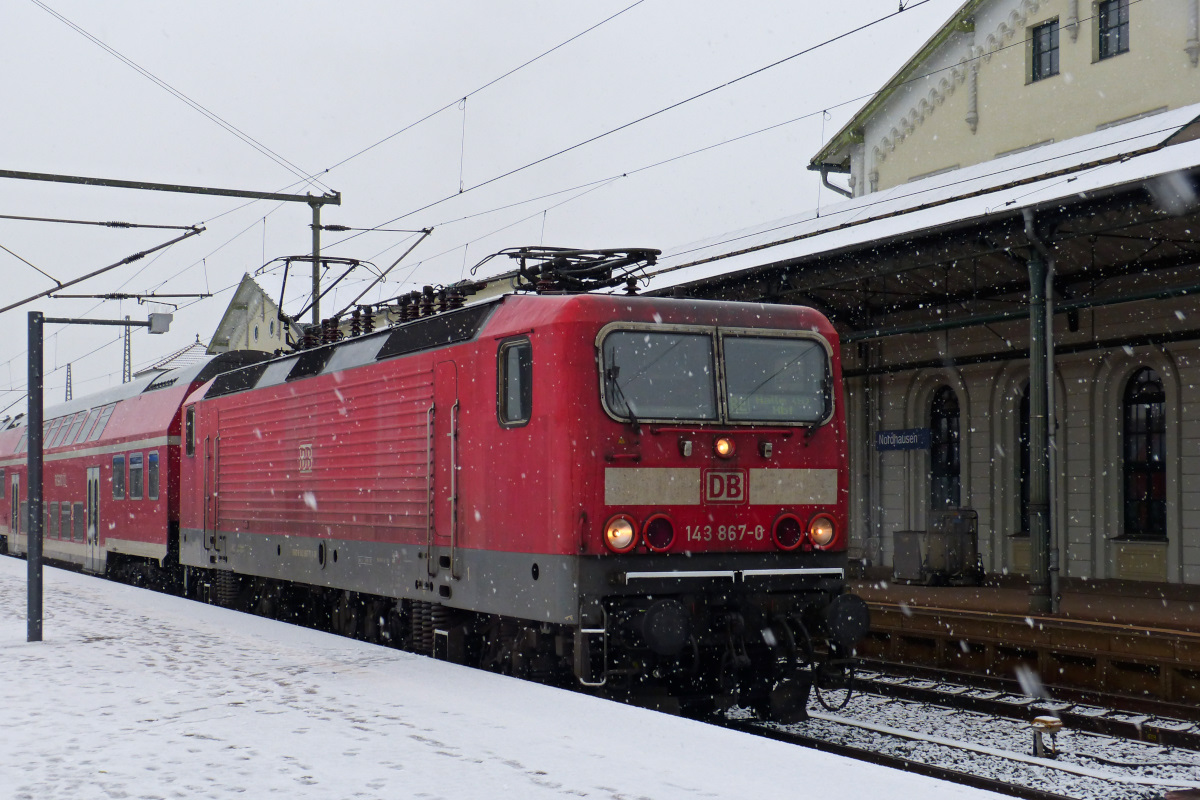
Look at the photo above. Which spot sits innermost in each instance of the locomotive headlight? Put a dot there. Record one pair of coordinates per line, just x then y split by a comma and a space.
723, 447
620, 534
820, 530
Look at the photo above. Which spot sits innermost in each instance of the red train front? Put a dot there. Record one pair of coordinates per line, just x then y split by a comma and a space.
649, 493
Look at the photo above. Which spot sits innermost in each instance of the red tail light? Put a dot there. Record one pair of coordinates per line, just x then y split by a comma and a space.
658, 532
788, 532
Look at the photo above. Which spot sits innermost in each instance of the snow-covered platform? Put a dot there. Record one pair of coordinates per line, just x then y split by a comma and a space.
136, 694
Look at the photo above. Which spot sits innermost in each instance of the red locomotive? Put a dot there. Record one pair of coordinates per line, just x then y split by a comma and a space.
648, 493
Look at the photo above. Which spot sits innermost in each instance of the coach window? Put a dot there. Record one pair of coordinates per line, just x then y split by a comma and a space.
88, 422
1145, 469
105, 414
514, 394
49, 429
3, 486
944, 451
118, 478
76, 426
189, 431
135, 476
152, 475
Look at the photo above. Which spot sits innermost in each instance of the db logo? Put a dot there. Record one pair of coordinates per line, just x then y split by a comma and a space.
305, 458
725, 486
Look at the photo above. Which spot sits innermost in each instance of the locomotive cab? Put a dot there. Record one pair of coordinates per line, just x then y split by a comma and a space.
715, 566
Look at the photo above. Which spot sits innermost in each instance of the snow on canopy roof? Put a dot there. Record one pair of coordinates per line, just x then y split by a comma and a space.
1122, 154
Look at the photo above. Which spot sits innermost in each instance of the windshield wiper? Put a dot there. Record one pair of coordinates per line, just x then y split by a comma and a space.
610, 378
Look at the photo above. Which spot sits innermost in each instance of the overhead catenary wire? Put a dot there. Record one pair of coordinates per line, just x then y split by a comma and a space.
629, 172
102, 224
659, 112
536, 58
487, 85
211, 115
30, 264
723, 143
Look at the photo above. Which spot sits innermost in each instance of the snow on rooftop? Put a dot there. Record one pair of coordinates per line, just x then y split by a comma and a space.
1030, 178
137, 694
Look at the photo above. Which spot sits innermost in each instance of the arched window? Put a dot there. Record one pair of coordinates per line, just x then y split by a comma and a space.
1023, 463
944, 451
1145, 469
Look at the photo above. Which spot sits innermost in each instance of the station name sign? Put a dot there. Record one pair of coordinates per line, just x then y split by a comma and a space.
910, 439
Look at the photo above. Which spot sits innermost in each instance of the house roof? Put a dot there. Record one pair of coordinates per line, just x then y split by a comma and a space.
836, 152
194, 353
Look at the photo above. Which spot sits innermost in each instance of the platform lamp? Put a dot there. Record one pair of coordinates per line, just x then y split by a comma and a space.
157, 323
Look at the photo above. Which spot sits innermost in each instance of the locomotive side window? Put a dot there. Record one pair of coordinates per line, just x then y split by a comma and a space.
514, 395
135, 476
776, 379
118, 478
659, 375
189, 431
152, 475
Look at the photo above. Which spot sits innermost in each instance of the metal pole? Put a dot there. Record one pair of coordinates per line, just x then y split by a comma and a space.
34, 421
1053, 533
1039, 589
316, 288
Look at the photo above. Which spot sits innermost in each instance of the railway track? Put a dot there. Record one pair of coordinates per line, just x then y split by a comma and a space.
886, 760
1165, 725
984, 740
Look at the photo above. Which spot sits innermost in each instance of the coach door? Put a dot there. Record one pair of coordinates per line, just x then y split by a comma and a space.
214, 541
14, 514
93, 558
444, 490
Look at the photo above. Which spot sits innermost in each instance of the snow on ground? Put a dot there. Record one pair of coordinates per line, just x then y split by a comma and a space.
139, 695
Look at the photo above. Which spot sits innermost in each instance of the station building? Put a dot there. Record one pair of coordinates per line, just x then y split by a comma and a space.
1027, 146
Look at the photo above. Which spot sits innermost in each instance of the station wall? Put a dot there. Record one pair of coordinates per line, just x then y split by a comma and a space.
890, 489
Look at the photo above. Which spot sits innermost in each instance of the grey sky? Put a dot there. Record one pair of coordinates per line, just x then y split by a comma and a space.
316, 83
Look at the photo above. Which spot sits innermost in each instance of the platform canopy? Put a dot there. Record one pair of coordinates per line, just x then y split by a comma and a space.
1118, 208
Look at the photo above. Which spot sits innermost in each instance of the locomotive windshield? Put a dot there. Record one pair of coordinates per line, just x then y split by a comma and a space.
652, 375
776, 379
671, 375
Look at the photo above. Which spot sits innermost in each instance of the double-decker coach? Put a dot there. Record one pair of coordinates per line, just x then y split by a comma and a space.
110, 482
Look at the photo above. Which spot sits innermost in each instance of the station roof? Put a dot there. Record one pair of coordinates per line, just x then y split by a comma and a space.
1113, 202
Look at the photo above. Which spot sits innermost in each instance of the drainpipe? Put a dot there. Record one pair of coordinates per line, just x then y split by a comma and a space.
1044, 551
828, 168
1193, 43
